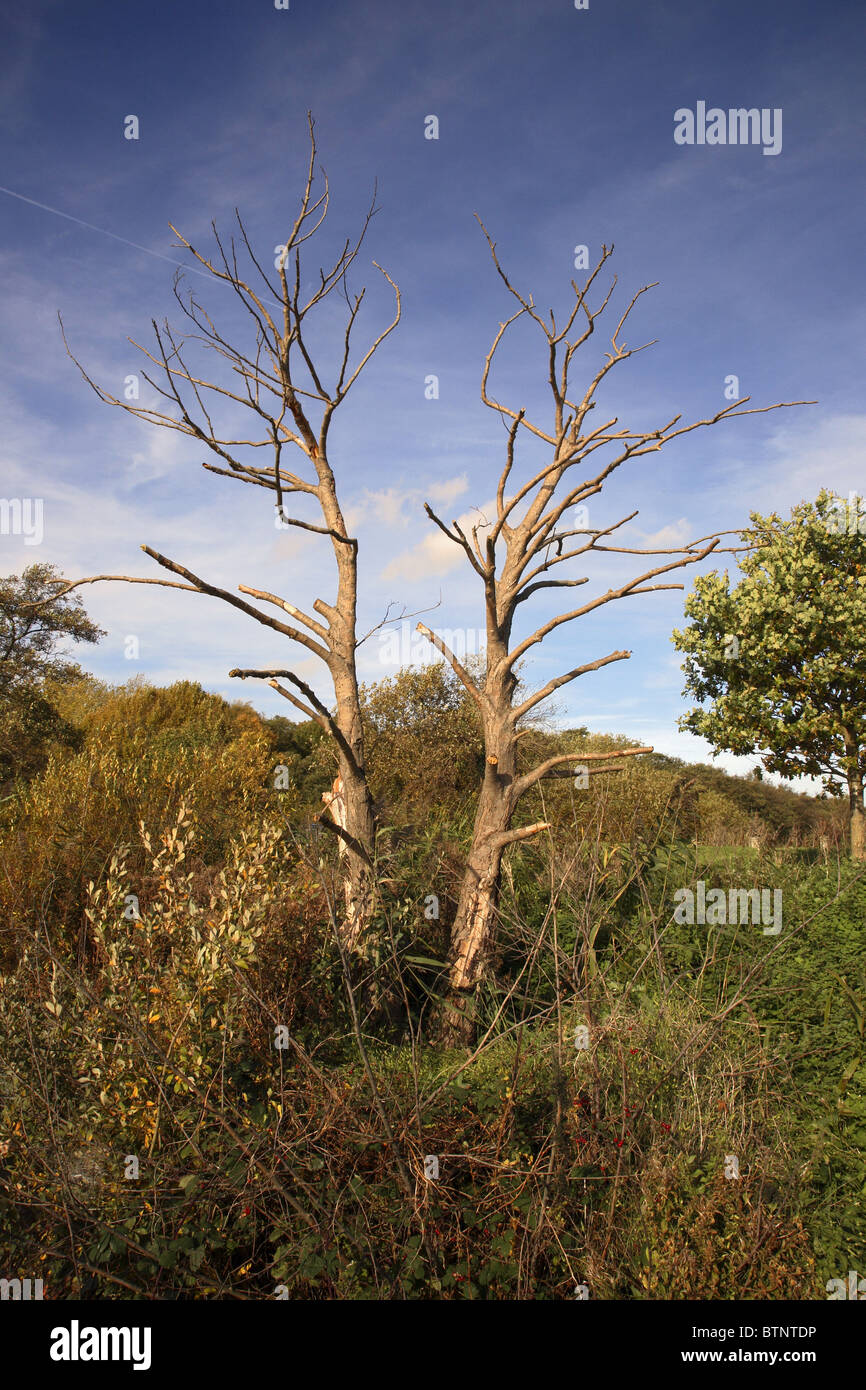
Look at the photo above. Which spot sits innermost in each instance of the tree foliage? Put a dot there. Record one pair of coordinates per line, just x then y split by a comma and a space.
34, 628
778, 659
423, 740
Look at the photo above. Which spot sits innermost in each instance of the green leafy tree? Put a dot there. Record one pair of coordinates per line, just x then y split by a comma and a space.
170, 716
424, 740
779, 659
34, 626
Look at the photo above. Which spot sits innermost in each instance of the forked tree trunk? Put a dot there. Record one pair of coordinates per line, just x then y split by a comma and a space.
537, 529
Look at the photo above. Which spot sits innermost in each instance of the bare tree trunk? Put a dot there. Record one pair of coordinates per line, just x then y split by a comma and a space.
358, 886
473, 931
858, 815
360, 821
357, 874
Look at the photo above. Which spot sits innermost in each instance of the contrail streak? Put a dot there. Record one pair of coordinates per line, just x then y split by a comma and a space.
90, 227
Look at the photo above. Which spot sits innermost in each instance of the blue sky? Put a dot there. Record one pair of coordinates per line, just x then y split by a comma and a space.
557, 127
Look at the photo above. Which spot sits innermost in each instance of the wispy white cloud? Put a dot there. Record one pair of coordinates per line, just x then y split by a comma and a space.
389, 505
434, 554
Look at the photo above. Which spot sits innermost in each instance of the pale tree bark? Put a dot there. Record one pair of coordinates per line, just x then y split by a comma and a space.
290, 403
357, 876
857, 814
848, 771
513, 555
858, 821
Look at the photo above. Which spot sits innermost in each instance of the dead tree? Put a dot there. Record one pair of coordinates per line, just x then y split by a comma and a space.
290, 405
513, 557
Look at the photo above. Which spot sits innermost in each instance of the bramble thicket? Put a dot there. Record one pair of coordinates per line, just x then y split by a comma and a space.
202, 1095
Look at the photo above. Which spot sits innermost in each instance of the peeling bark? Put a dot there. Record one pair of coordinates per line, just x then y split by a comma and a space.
358, 885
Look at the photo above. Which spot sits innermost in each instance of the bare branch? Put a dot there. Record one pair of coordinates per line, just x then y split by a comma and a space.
624, 591
203, 587
521, 710
403, 616
461, 673
522, 784
524, 832
113, 578
549, 583
322, 715
299, 704
342, 834
289, 608
458, 539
